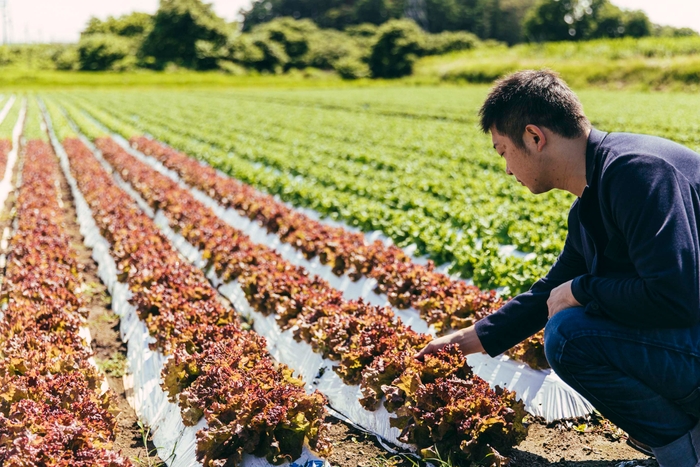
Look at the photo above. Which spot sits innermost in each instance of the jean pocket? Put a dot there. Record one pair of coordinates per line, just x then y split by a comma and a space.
691, 403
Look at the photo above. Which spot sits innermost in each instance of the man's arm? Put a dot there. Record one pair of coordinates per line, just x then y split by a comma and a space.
656, 210
466, 339
522, 316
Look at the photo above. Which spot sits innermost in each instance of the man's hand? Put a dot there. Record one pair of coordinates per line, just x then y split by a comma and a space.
466, 339
561, 298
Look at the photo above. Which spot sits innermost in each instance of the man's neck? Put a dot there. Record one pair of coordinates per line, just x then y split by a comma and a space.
570, 167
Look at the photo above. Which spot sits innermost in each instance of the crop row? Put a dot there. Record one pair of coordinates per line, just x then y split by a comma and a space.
443, 302
218, 370
7, 125
429, 187
471, 245
609, 110
5, 148
373, 348
52, 408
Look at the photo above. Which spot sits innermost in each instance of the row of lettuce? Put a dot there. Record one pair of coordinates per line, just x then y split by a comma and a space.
219, 370
52, 405
457, 209
373, 348
209, 345
443, 302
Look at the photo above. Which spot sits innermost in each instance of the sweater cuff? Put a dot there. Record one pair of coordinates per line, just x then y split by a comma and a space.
483, 329
579, 292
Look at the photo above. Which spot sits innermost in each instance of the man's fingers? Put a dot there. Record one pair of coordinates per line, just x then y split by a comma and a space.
428, 349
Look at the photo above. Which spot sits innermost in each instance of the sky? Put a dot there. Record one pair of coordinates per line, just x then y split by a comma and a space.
62, 20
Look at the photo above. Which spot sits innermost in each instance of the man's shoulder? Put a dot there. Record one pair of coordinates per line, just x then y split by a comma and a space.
630, 154
629, 145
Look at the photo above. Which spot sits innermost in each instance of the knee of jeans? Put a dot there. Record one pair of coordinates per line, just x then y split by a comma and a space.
556, 334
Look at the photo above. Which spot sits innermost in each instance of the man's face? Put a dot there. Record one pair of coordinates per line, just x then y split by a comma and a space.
522, 164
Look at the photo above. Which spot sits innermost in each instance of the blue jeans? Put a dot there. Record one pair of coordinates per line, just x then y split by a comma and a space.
646, 381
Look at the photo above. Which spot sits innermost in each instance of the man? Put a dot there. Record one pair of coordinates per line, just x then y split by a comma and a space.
621, 305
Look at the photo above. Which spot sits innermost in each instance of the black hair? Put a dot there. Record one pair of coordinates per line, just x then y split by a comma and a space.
533, 97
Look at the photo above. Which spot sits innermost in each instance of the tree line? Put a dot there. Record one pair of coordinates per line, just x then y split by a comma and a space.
510, 21
355, 38
188, 34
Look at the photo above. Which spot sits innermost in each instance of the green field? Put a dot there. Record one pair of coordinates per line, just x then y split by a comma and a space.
409, 161
647, 63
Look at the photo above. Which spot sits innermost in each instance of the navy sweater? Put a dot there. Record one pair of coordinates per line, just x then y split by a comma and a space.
632, 249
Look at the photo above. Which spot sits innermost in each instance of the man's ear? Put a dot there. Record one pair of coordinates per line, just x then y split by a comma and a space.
534, 136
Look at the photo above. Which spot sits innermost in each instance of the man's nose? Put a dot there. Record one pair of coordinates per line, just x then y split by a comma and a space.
508, 170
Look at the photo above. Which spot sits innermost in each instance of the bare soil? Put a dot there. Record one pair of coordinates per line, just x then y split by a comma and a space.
563, 446
545, 446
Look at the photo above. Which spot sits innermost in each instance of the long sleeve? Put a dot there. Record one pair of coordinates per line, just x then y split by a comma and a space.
655, 209
527, 313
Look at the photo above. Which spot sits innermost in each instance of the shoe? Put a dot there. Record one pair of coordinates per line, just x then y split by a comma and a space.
639, 446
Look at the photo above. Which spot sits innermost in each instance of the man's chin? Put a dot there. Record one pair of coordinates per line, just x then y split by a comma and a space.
538, 190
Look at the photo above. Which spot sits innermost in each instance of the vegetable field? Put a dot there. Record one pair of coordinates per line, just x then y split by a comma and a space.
276, 259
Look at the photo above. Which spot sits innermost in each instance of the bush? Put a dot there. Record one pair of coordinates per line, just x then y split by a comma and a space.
67, 59
259, 52
131, 25
670, 31
180, 27
350, 68
98, 52
327, 47
294, 36
445, 42
285, 44
231, 68
396, 48
366, 30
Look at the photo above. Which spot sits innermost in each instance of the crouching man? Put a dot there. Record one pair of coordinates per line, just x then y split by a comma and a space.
621, 305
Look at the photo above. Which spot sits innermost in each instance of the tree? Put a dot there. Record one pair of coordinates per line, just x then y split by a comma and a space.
559, 20
98, 52
488, 19
398, 45
182, 30
325, 13
444, 15
608, 22
377, 11
112, 44
637, 24
131, 25
550, 20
